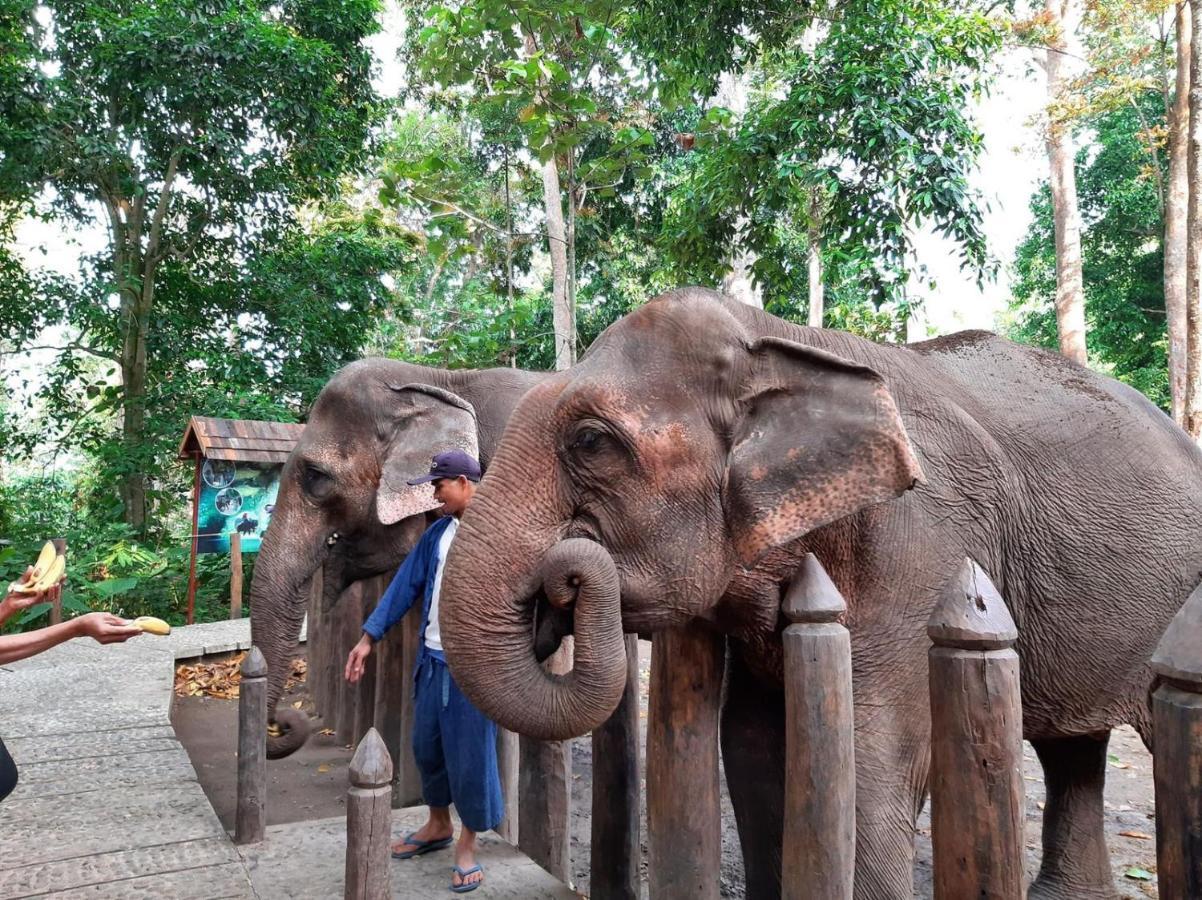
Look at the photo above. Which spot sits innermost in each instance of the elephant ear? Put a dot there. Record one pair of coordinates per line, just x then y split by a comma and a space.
428, 420
817, 438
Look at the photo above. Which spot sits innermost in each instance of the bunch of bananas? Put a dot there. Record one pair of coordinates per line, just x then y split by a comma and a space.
46, 573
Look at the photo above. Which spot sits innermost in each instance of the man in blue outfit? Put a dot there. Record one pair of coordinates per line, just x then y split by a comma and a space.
455, 746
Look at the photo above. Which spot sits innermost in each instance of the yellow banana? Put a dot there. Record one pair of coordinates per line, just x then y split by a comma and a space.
151, 625
45, 558
51, 575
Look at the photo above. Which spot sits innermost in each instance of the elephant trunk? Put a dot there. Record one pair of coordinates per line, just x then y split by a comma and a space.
278, 602
488, 636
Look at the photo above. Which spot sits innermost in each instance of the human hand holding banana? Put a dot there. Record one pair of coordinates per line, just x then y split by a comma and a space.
41, 583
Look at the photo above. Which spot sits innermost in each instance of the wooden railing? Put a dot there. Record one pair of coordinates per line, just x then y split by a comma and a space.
977, 796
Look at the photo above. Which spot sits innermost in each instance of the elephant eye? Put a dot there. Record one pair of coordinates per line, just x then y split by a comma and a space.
588, 440
316, 482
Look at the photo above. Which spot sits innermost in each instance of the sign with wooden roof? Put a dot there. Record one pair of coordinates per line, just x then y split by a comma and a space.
238, 464
239, 440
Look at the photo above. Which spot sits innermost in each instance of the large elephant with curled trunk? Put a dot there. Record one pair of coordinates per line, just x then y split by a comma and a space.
343, 503
701, 448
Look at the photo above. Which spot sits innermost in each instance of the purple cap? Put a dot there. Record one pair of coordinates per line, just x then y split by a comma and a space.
450, 464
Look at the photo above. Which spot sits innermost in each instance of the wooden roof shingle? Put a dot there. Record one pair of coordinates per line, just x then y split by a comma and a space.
240, 440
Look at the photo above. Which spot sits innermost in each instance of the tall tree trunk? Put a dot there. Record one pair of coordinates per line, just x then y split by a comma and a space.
1192, 420
732, 93
1070, 291
513, 347
570, 246
814, 232
565, 337
133, 426
562, 314
1175, 215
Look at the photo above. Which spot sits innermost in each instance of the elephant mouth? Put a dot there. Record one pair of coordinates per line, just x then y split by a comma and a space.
551, 624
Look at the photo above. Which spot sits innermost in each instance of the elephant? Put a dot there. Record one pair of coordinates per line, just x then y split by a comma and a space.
343, 502
705, 447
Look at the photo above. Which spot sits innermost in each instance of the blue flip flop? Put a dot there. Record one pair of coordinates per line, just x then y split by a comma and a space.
420, 847
464, 887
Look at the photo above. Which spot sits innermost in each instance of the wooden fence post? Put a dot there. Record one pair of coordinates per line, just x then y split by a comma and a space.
56, 607
1177, 763
977, 793
368, 820
408, 789
250, 823
509, 757
235, 575
545, 810
819, 841
683, 812
348, 616
616, 847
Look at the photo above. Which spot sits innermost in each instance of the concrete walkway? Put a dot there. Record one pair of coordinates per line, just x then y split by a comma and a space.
109, 806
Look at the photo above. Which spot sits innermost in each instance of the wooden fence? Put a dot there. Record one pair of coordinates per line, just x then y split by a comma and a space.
977, 795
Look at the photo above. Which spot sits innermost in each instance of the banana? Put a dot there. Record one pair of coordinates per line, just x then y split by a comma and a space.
52, 575
151, 625
45, 558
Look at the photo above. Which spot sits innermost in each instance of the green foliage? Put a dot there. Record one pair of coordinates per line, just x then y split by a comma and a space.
863, 138
1123, 255
192, 130
109, 566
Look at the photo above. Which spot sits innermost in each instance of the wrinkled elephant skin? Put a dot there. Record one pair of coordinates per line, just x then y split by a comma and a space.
707, 446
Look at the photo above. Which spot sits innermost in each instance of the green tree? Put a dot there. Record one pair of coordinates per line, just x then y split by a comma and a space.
854, 142
552, 79
193, 128
1123, 252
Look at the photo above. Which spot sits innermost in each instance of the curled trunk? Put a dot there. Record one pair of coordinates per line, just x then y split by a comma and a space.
278, 602
488, 634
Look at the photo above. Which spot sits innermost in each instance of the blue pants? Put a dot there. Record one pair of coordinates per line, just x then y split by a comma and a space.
456, 749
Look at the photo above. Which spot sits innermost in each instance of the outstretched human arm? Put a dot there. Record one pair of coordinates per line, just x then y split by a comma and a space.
407, 585
104, 627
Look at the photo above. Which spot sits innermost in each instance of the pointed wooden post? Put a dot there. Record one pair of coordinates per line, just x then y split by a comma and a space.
819, 841
1177, 763
683, 813
616, 847
250, 822
977, 793
368, 820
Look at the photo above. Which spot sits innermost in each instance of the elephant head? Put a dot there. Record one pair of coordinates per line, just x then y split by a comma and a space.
687, 443
344, 506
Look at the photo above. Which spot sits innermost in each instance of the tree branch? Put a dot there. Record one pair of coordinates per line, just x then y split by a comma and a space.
160, 212
103, 354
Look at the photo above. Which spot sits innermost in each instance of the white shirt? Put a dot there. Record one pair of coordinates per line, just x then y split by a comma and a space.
433, 634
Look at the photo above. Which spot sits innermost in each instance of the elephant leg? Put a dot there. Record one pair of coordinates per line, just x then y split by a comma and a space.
893, 758
886, 813
1075, 861
753, 741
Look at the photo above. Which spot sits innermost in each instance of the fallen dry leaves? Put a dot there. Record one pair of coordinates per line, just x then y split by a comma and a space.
220, 679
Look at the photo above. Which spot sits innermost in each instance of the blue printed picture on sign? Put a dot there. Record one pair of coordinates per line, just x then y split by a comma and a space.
235, 497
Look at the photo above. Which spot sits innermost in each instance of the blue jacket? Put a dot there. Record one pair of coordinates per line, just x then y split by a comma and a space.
414, 578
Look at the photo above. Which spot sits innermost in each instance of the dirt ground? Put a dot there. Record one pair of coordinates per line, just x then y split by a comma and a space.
311, 784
